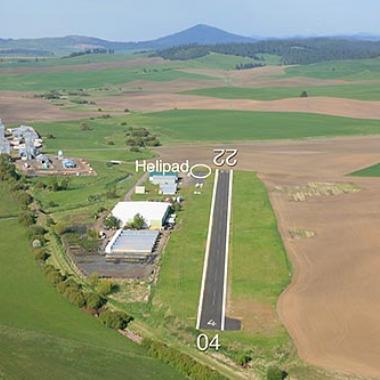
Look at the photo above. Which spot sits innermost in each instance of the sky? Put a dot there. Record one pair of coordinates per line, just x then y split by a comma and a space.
137, 20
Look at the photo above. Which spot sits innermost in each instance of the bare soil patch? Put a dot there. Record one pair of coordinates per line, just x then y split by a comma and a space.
331, 308
18, 107
155, 102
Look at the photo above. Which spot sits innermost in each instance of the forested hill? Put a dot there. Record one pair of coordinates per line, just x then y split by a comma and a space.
302, 51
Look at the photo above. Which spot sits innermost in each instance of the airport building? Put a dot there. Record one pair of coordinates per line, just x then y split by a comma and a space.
167, 182
155, 214
132, 245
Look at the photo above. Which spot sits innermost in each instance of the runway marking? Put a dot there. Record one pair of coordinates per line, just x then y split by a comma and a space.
205, 263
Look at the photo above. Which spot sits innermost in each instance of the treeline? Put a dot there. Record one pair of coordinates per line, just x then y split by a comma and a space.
182, 362
301, 51
90, 51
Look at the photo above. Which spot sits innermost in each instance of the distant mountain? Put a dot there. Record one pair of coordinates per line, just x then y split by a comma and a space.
199, 34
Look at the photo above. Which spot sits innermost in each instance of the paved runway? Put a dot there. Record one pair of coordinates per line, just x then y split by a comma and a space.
212, 313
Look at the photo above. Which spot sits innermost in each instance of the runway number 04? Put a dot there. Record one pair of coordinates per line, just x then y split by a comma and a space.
204, 343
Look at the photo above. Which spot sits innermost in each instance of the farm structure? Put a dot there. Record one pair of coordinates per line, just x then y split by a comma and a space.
132, 245
167, 182
155, 214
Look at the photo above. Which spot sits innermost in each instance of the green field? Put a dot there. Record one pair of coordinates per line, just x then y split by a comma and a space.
356, 69
43, 81
43, 336
229, 126
371, 171
91, 144
351, 91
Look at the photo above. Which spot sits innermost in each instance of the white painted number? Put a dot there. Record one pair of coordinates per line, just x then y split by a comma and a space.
204, 343
230, 159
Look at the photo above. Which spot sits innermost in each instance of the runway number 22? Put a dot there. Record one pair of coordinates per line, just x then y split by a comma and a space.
225, 156
204, 343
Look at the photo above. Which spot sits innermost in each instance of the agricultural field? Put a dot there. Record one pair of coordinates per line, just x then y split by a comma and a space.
192, 107
229, 126
42, 81
371, 171
44, 336
358, 69
363, 91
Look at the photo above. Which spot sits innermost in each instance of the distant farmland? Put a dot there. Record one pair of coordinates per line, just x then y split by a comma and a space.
227, 126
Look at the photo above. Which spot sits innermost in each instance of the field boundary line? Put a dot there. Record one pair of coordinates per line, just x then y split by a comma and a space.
205, 262
223, 321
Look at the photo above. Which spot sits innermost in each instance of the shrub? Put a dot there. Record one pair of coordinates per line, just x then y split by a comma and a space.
115, 319
84, 127
36, 231
275, 373
75, 297
27, 218
182, 362
24, 199
41, 256
54, 276
105, 287
94, 301
112, 222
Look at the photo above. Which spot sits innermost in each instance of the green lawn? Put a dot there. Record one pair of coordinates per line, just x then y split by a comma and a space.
10, 208
182, 264
42, 81
351, 91
355, 69
43, 336
122, 177
229, 126
258, 267
371, 171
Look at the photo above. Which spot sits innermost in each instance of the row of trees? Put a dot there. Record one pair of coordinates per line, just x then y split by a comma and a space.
182, 362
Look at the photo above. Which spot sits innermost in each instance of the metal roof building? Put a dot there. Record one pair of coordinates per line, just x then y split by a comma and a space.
154, 213
158, 178
168, 189
132, 245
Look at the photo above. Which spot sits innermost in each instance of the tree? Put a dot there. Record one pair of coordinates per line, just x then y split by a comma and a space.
112, 223
138, 222
304, 94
